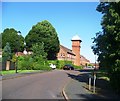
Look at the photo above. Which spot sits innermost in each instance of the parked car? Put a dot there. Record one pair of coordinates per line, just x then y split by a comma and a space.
89, 67
68, 67
52, 66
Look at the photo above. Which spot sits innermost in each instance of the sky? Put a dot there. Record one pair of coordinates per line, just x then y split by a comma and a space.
68, 18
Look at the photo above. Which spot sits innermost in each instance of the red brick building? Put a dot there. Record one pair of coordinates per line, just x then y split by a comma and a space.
74, 54
84, 61
65, 54
76, 49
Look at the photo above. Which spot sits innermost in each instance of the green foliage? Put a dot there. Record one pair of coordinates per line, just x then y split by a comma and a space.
59, 63
25, 62
78, 67
90, 64
36, 61
16, 41
29, 63
44, 32
0, 59
14, 58
114, 80
38, 50
41, 66
7, 72
107, 42
7, 51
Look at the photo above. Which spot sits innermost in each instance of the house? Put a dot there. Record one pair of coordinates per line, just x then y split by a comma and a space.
23, 53
74, 54
19, 54
84, 61
68, 54
65, 54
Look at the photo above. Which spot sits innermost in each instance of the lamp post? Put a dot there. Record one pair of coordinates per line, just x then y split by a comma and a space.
19, 33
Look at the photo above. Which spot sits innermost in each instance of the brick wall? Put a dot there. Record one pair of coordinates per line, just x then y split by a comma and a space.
76, 50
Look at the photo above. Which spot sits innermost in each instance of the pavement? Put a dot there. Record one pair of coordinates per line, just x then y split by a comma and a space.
77, 88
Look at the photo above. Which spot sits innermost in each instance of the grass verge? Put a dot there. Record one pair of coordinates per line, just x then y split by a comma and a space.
102, 74
7, 72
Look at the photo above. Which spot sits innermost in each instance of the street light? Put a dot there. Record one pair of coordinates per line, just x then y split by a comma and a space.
19, 33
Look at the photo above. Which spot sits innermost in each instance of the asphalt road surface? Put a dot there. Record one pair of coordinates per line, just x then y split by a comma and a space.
46, 85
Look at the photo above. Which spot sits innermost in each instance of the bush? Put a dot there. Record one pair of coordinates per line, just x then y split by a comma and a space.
115, 76
25, 62
90, 64
29, 63
114, 80
37, 66
78, 67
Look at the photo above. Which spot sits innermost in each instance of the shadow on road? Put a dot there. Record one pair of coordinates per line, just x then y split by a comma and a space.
81, 78
93, 97
103, 87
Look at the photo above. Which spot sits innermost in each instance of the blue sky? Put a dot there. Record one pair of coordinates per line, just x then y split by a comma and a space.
68, 18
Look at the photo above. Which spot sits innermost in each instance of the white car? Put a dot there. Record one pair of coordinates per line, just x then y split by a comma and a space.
89, 67
53, 66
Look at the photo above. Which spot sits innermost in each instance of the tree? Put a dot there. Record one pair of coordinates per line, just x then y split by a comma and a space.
7, 56
44, 32
16, 41
107, 42
7, 51
38, 50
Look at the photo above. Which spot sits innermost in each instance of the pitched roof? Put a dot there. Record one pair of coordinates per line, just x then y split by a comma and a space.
19, 54
67, 49
83, 58
70, 51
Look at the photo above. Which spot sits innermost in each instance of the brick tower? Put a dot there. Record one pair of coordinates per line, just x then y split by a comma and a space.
76, 49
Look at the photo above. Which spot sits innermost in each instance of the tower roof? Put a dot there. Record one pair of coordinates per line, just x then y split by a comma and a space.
76, 38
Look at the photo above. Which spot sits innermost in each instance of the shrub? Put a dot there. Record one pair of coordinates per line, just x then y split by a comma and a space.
114, 80
37, 66
41, 65
90, 64
114, 75
29, 63
25, 62
78, 67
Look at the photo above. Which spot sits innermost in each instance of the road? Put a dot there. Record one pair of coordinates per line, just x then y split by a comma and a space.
46, 85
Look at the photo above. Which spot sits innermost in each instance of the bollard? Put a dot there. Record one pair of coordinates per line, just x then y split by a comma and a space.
94, 83
90, 82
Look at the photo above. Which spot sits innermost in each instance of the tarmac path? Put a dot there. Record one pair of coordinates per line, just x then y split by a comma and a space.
46, 85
